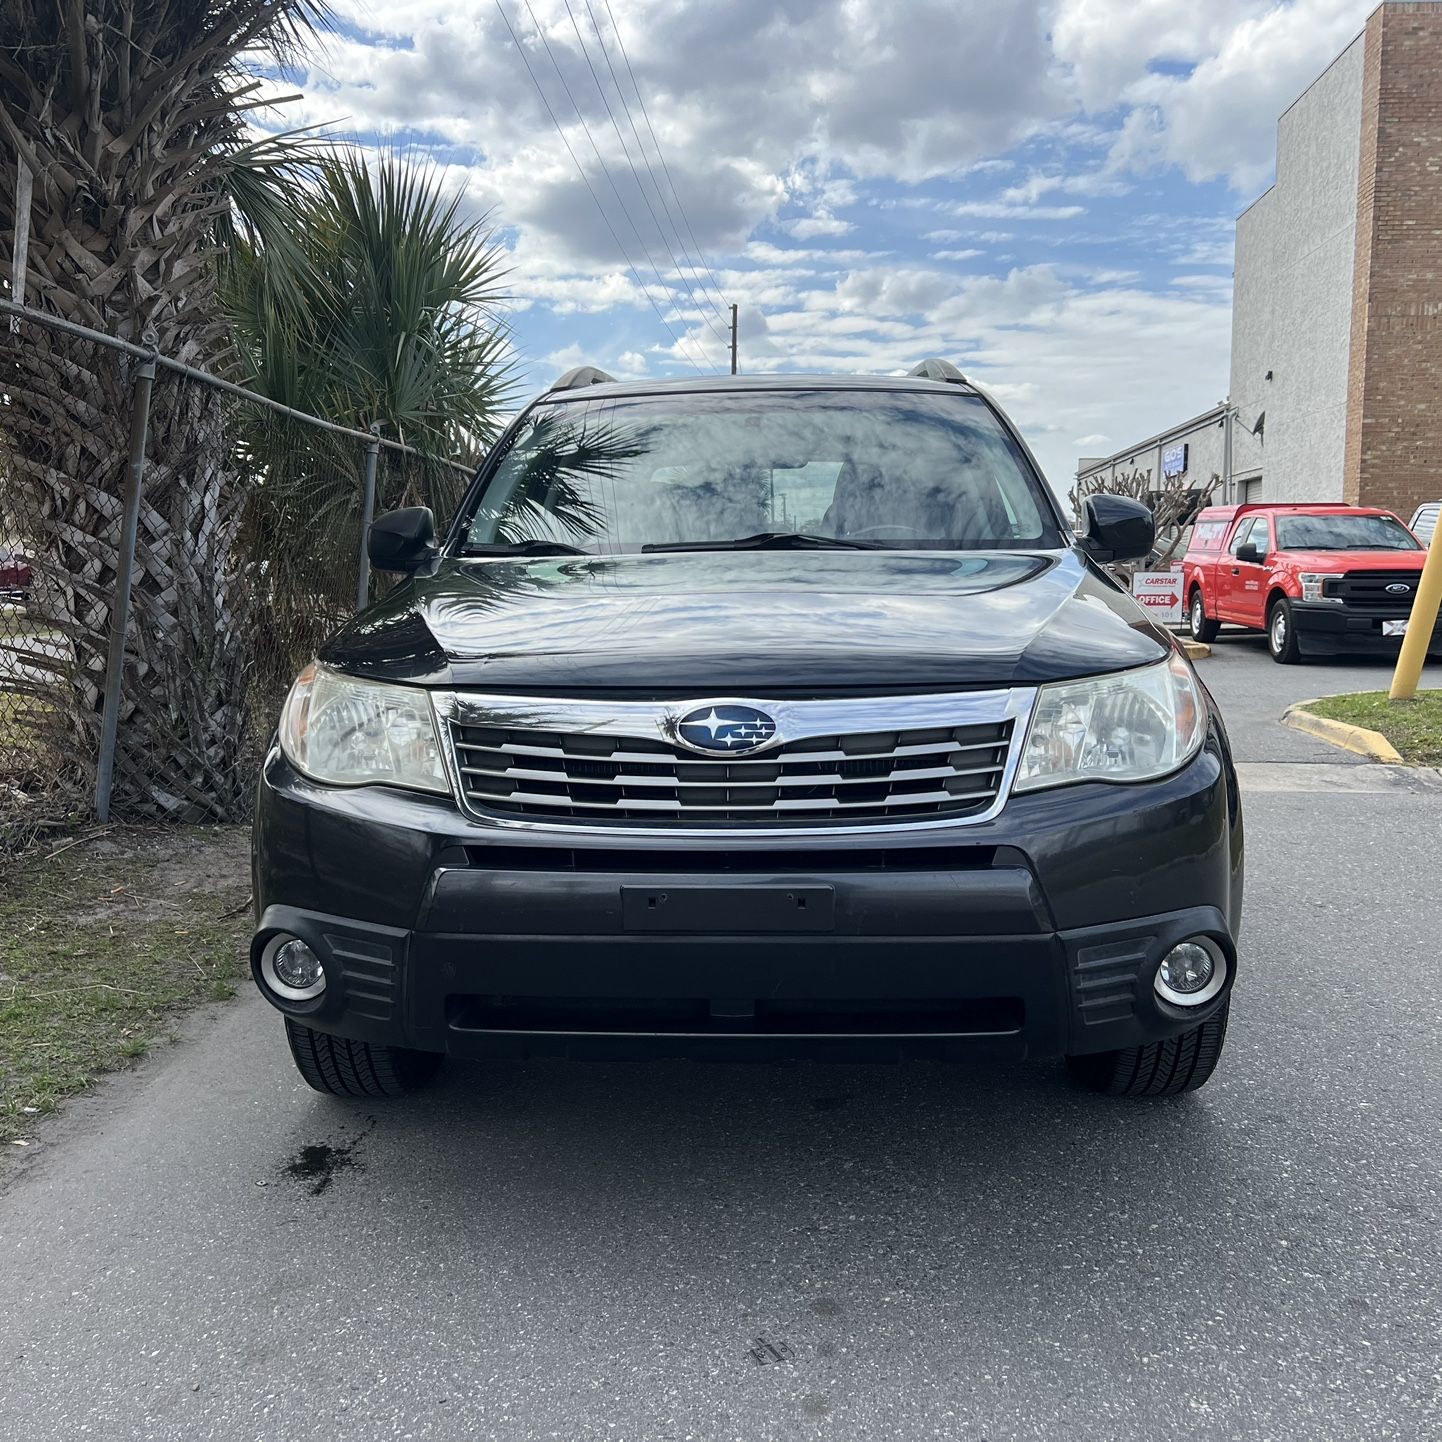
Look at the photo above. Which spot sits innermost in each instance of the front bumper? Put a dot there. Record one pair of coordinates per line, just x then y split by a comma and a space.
1038, 932
1325, 629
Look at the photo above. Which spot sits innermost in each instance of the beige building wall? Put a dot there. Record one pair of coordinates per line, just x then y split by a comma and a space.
1292, 297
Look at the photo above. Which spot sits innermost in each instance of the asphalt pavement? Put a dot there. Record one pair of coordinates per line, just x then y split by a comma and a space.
1253, 691
669, 1250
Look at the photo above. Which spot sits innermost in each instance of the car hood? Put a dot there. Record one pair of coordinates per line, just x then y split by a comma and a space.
750, 622
1334, 561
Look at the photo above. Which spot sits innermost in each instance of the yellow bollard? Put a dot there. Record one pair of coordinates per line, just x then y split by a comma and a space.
1419, 626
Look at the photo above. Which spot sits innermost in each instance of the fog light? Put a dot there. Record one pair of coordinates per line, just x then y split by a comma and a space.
1191, 972
291, 969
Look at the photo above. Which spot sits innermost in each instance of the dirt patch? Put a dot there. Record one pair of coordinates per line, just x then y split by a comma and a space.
167, 880
104, 942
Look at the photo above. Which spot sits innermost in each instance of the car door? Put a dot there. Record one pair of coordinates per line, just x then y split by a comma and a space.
1248, 579
1227, 573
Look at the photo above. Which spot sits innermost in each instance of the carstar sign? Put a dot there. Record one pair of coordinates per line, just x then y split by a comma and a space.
1161, 593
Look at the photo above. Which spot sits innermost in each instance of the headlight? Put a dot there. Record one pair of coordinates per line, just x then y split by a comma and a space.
1312, 586
355, 733
1130, 726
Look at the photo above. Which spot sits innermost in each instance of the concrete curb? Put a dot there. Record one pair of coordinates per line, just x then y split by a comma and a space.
1358, 739
1196, 650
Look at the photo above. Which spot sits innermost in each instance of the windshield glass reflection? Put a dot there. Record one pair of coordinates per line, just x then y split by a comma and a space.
901, 470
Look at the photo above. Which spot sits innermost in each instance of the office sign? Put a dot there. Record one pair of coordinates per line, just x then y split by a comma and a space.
1161, 593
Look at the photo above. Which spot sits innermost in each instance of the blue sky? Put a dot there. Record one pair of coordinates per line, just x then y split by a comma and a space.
1041, 191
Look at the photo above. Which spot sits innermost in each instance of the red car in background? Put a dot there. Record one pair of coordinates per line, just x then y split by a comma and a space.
1318, 579
14, 576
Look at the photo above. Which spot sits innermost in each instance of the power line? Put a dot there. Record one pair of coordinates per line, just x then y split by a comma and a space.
696, 282
601, 161
586, 180
635, 174
661, 154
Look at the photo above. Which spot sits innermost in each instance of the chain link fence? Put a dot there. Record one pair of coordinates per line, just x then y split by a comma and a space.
173, 549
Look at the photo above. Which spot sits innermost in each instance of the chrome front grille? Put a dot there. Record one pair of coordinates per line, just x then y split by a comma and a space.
518, 760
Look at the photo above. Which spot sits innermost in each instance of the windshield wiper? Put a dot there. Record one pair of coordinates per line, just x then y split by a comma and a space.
523, 548
769, 541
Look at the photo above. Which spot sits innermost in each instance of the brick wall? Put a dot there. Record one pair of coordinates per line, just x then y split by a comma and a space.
1394, 396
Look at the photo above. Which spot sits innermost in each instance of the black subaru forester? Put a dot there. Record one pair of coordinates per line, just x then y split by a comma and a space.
752, 717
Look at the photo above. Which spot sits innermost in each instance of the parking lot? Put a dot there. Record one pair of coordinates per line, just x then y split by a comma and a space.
667, 1251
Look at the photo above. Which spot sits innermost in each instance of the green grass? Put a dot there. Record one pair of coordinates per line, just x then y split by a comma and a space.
16, 622
1413, 727
19, 716
13, 732
102, 946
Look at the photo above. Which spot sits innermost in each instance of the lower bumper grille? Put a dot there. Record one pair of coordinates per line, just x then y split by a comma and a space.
693, 1016
852, 778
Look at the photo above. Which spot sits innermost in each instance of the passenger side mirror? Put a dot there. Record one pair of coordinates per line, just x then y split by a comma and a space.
1117, 528
402, 540
1249, 553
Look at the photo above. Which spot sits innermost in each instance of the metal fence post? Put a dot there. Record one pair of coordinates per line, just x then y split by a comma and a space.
144, 380
368, 511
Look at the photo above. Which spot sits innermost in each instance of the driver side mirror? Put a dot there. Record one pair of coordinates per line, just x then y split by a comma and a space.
1116, 528
1249, 553
402, 540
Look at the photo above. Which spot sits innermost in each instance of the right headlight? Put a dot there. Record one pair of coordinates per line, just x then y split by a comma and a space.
1129, 726
346, 731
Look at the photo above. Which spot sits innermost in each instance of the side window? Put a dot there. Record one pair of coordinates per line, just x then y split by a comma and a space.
1253, 531
1262, 534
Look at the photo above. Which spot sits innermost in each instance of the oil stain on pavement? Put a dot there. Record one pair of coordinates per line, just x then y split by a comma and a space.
316, 1166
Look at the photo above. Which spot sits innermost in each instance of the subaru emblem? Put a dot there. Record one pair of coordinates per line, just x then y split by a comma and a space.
1398, 588
730, 730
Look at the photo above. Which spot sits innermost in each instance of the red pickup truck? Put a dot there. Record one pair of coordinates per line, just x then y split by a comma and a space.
1318, 579
14, 576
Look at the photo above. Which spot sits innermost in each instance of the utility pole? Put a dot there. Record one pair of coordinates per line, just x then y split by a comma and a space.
733, 338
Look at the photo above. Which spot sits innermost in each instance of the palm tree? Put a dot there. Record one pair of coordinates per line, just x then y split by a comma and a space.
379, 310
130, 116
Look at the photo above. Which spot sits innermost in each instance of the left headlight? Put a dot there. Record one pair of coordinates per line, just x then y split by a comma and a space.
349, 732
1314, 586
1129, 726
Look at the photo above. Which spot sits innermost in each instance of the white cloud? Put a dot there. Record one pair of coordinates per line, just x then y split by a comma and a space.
956, 254
768, 254
1247, 61
1207, 252
822, 223
1109, 46
1005, 210
565, 358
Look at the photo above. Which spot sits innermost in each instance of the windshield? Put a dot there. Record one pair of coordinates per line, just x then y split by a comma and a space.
882, 468
1343, 533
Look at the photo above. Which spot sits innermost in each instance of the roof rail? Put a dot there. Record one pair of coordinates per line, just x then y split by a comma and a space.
938, 370
579, 376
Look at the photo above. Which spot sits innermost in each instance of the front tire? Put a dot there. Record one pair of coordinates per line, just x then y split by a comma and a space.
1282, 633
1198, 624
1160, 1068
344, 1068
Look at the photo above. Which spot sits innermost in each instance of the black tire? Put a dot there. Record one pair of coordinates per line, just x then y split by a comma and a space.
1282, 633
1159, 1069
1199, 625
343, 1068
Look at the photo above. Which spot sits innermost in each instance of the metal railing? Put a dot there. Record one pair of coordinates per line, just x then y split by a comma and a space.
115, 499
